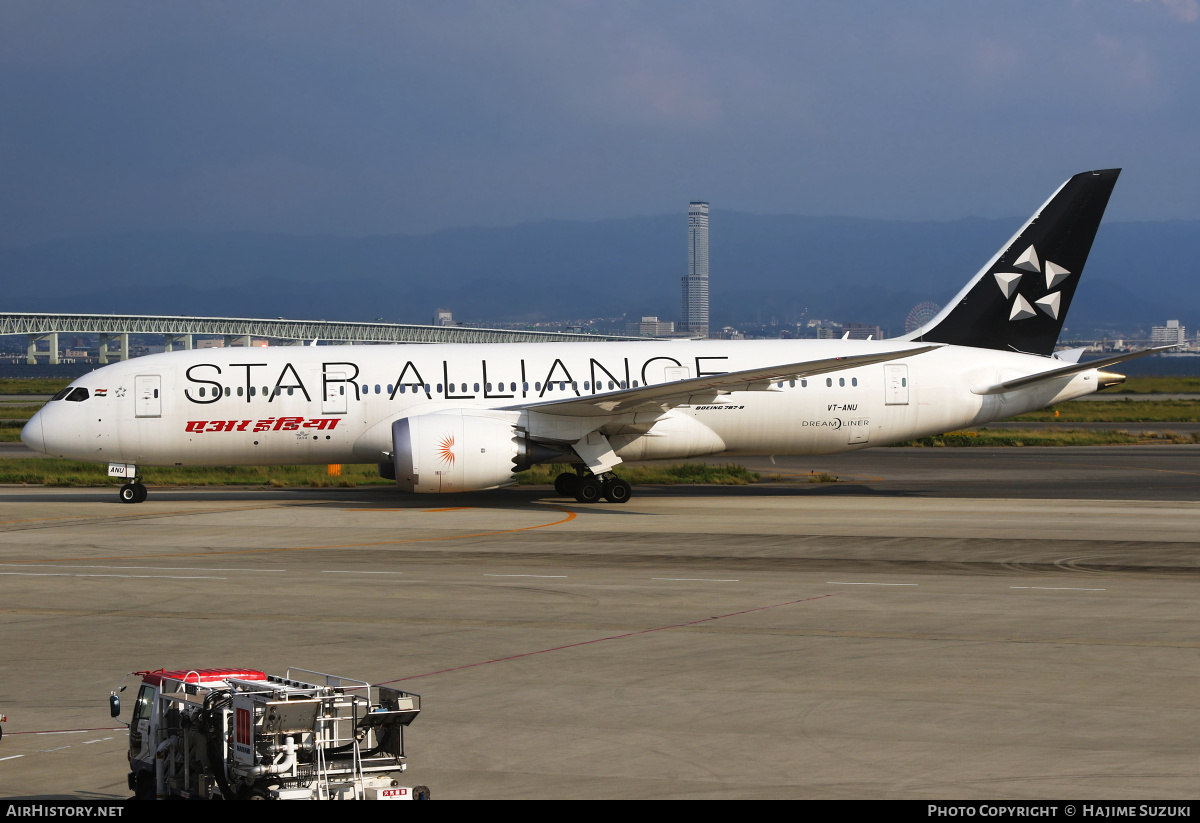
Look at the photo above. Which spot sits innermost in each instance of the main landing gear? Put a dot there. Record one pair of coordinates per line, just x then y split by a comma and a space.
133, 492
588, 488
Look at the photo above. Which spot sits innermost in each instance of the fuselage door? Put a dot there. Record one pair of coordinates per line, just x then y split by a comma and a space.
147, 395
335, 399
895, 381
673, 373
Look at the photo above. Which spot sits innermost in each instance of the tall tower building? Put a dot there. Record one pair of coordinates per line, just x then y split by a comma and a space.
694, 316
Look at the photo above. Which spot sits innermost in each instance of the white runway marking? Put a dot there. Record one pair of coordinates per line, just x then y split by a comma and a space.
1059, 588
130, 576
337, 571
11, 757
55, 749
699, 579
525, 575
97, 740
840, 583
146, 568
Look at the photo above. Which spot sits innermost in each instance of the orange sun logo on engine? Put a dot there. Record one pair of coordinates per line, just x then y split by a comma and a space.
446, 449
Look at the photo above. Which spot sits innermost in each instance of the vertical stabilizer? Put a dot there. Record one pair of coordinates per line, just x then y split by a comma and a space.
1019, 300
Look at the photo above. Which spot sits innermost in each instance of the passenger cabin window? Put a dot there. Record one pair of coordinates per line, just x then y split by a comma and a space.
78, 395
476, 387
828, 381
853, 381
226, 392
239, 391
201, 391
439, 388
804, 384
841, 381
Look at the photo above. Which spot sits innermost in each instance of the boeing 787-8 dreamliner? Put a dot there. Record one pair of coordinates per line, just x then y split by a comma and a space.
464, 417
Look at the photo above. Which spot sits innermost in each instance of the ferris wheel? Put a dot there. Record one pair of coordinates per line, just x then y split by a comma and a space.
921, 314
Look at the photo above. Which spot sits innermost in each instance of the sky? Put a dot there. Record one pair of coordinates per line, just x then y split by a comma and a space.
362, 117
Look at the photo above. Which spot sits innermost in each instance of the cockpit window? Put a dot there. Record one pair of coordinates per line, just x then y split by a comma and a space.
61, 394
78, 395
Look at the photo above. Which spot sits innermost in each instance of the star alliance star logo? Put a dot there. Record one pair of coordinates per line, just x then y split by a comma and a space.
1028, 262
120, 392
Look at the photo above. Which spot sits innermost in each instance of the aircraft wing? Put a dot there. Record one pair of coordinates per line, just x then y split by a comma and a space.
1065, 371
696, 390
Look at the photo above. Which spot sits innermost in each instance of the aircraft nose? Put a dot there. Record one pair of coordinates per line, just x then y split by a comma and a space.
32, 435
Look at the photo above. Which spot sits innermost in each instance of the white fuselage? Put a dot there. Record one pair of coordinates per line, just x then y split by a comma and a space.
335, 404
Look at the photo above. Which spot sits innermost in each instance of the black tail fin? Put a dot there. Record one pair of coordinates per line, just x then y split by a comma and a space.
1019, 300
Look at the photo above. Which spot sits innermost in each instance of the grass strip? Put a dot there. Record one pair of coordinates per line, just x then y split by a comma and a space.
54, 472
1117, 411
729, 474
1158, 384
1047, 437
49, 385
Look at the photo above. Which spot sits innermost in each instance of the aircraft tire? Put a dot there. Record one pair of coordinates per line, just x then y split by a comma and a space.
140, 493
590, 490
566, 484
128, 493
617, 491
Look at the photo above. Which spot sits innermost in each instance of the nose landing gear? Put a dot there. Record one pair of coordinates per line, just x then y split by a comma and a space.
588, 488
133, 492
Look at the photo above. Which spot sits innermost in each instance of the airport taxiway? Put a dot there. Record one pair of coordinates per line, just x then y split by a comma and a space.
950, 623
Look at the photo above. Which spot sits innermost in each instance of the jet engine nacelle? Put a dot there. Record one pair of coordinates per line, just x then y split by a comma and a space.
450, 451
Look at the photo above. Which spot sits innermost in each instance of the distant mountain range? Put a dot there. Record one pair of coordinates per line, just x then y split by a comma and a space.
762, 267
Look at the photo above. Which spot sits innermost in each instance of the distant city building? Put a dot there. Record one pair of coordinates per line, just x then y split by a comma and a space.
828, 333
864, 331
651, 327
211, 343
694, 317
443, 317
730, 333
1169, 334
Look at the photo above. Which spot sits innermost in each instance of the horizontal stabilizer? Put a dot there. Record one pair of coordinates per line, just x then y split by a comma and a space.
1066, 371
662, 396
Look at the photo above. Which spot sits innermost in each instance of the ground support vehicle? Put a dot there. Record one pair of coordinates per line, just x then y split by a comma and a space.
243, 734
